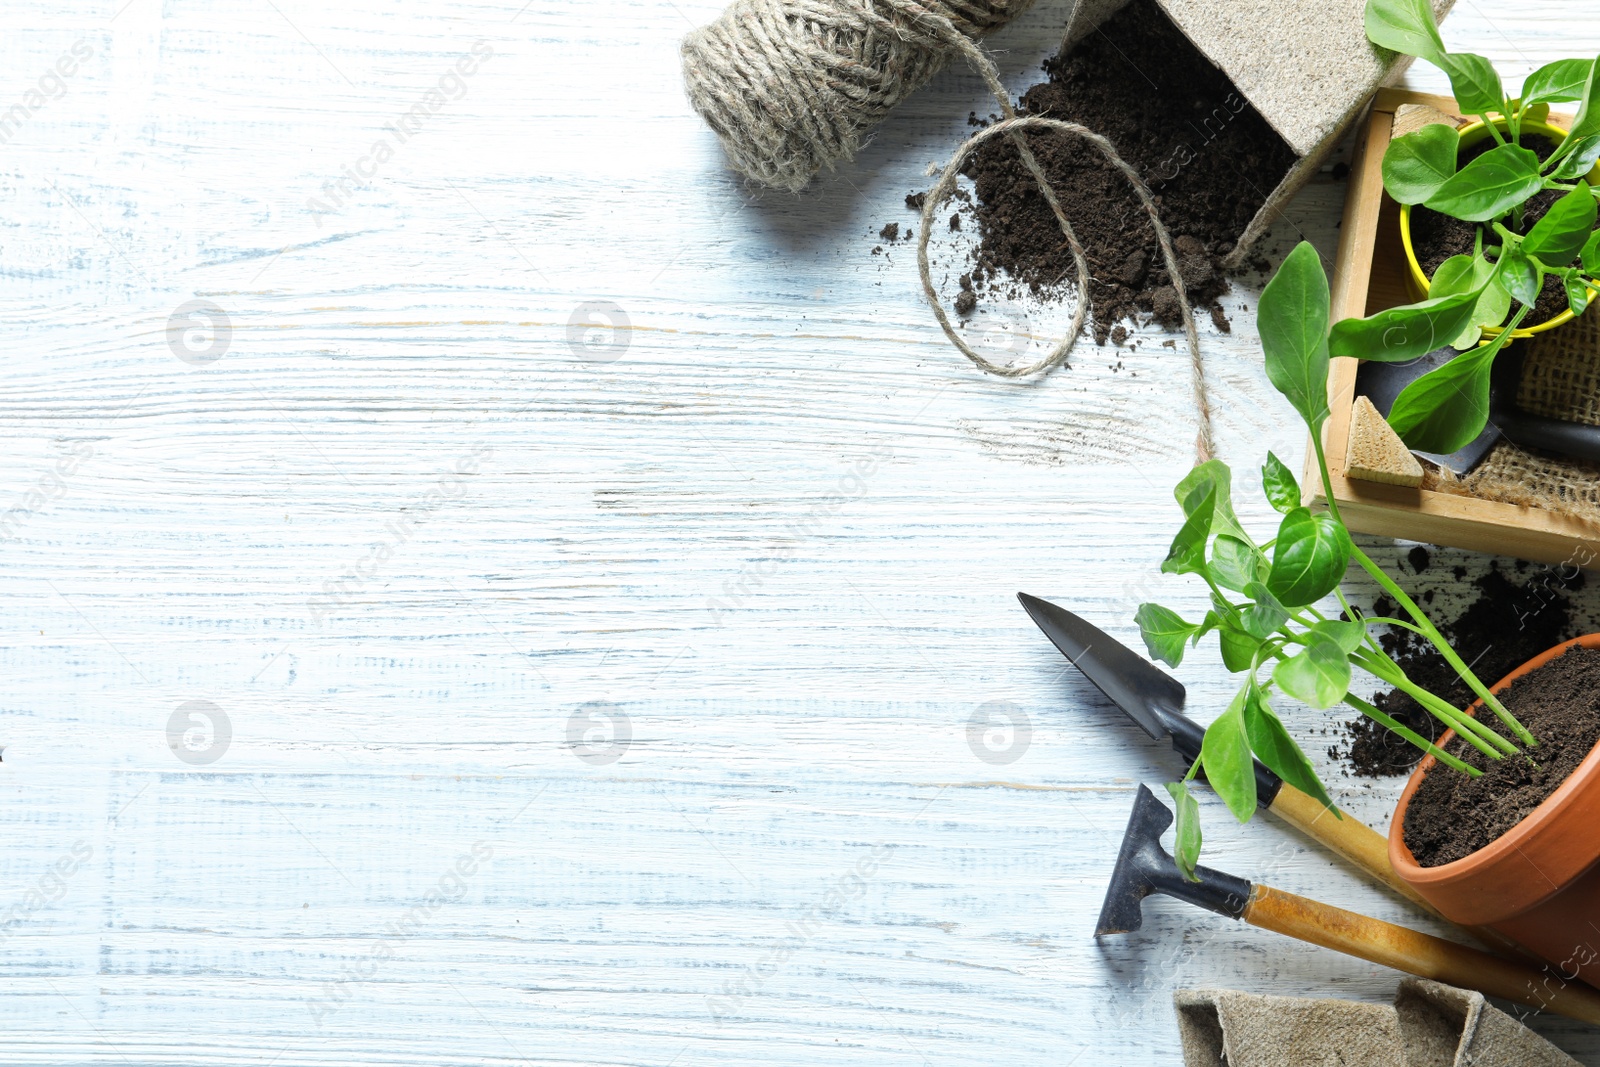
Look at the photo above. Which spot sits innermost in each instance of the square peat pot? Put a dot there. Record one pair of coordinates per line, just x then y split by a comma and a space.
1305, 66
1369, 276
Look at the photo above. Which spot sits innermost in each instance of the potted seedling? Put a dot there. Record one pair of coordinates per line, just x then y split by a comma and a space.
1264, 598
1498, 217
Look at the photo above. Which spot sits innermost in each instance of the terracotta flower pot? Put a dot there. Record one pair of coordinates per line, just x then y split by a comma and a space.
1539, 884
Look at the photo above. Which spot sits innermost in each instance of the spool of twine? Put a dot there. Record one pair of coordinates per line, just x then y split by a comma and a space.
792, 87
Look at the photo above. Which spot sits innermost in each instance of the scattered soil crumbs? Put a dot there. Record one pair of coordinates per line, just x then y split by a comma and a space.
1509, 623
1452, 816
1209, 158
966, 300
1437, 237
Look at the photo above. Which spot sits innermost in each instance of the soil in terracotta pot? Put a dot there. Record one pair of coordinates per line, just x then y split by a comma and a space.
1435, 237
1515, 616
1209, 158
1452, 815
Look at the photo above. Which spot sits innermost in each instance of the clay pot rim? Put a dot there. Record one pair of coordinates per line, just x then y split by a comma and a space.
1520, 838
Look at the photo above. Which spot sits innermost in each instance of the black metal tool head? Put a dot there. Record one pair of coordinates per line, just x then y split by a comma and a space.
1144, 867
1147, 694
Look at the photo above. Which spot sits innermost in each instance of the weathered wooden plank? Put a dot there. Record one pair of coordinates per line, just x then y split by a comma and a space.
414, 543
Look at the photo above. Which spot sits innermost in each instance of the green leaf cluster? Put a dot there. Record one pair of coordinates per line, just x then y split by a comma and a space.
1264, 596
1496, 285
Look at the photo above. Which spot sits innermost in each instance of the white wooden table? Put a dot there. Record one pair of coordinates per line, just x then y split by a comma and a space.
419, 542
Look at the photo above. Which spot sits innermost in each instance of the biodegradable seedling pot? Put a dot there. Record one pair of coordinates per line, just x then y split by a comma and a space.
1419, 282
1539, 883
1305, 65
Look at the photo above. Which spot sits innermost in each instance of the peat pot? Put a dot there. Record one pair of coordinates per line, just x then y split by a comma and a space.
1539, 883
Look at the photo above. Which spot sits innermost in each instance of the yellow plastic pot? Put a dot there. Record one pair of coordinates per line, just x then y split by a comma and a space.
1471, 136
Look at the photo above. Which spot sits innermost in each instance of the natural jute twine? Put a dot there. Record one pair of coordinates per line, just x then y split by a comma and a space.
792, 86
795, 86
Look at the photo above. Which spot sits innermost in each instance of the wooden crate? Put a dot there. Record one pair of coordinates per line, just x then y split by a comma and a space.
1368, 277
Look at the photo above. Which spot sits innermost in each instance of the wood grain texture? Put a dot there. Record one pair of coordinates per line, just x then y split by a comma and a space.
421, 542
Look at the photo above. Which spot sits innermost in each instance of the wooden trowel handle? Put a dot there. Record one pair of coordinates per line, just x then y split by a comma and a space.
1419, 954
1349, 837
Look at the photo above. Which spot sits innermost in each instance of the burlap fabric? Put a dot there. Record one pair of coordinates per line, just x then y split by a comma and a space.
1560, 379
1430, 1025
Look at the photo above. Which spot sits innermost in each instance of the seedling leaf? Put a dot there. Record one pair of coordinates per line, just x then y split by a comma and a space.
1404, 26
1262, 618
1473, 81
1587, 122
1186, 838
1238, 648
1416, 165
1309, 557
1292, 318
1590, 256
1557, 83
1469, 274
1446, 408
1557, 238
1275, 748
1490, 185
1214, 473
1235, 563
1319, 675
1405, 332
1577, 291
1225, 755
1188, 552
1165, 633
1518, 275
1580, 159
1347, 635
1278, 481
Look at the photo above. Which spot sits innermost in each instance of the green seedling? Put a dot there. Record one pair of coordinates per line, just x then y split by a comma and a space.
1265, 595
1497, 284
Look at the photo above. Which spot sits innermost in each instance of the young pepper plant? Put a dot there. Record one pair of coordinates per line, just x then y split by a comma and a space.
1499, 282
1264, 595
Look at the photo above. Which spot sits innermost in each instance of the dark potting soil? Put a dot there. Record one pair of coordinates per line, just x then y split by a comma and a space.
1452, 815
1436, 237
1209, 158
1512, 620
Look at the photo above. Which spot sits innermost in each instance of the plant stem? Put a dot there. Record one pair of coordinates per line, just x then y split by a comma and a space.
1388, 621
1476, 733
1431, 632
1405, 732
1424, 624
1322, 469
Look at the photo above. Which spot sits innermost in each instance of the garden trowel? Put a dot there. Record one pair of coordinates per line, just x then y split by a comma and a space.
1154, 699
1144, 867
1382, 383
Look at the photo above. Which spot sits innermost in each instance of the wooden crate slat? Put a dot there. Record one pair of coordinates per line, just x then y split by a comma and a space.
1369, 275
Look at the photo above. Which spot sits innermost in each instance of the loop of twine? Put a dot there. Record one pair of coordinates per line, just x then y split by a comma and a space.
1012, 126
792, 86
795, 86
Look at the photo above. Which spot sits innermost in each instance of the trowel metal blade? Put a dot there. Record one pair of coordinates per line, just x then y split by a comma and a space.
1382, 382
